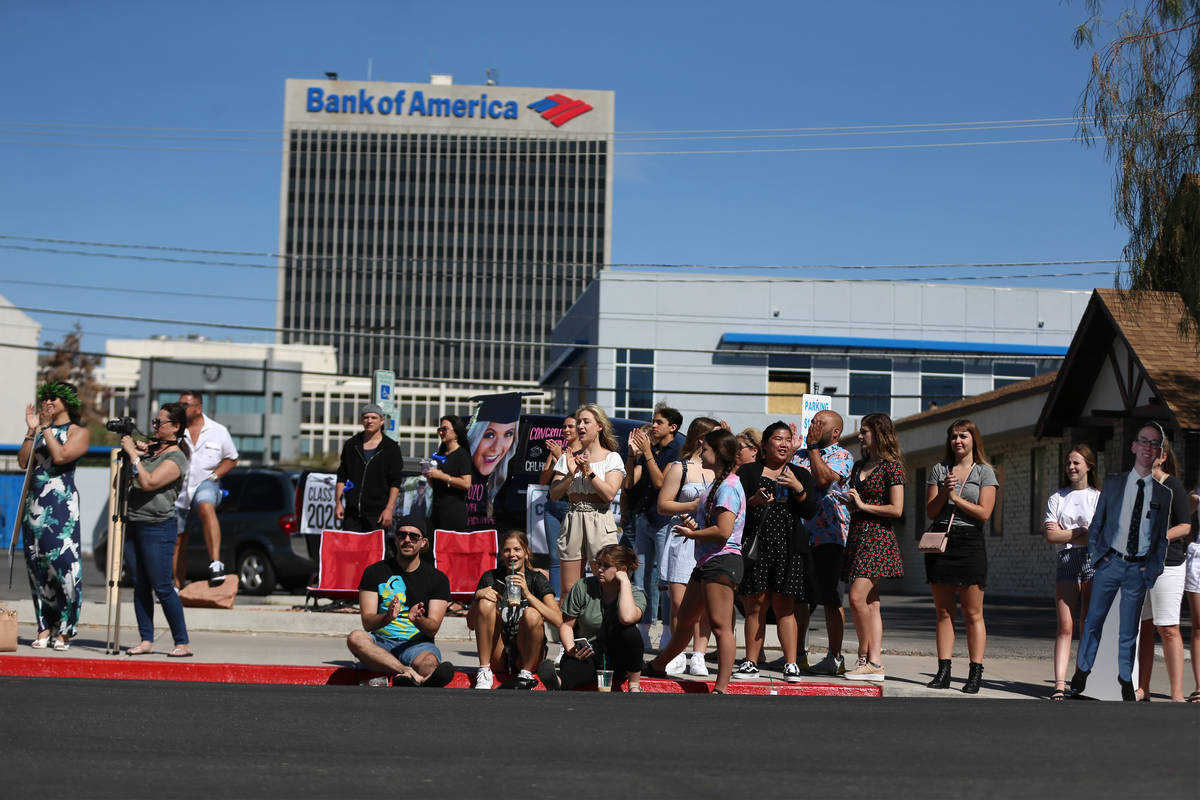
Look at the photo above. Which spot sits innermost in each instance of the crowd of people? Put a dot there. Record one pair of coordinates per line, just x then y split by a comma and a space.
775, 520
781, 523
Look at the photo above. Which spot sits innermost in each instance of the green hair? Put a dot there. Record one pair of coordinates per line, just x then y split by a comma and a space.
63, 391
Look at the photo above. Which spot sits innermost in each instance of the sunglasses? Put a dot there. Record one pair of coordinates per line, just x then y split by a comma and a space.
157, 422
412, 536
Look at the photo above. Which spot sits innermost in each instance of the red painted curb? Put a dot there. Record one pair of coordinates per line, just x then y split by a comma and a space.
130, 668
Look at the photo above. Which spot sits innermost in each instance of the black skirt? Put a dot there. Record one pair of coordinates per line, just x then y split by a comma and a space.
963, 564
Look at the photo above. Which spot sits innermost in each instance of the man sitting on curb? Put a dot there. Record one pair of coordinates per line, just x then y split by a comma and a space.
402, 601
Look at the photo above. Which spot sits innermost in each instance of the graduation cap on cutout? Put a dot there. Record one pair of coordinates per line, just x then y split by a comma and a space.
501, 408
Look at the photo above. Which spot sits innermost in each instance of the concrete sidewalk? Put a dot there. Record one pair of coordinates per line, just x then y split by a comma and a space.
279, 632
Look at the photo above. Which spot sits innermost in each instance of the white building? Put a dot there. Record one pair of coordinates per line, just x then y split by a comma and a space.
19, 339
744, 348
261, 391
436, 229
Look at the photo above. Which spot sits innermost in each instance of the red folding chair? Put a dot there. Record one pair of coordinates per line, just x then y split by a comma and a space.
344, 556
464, 556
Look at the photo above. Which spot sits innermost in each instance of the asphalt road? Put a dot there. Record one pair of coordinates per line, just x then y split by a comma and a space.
134, 739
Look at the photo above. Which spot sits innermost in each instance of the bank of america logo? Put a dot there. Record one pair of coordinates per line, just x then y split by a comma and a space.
559, 109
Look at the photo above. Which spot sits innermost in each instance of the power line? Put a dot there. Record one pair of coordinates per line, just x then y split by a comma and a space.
565, 346
160, 292
500, 262
551, 387
615, 153
626, 270
279, 131
676, 136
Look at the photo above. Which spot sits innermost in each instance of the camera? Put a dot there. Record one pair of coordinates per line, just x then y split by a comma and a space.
122, 426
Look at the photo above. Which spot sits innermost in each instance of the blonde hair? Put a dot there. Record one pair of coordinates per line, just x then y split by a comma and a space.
606, 437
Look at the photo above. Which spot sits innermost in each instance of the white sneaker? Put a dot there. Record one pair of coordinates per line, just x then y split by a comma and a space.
677, 665
696, 666
484, 678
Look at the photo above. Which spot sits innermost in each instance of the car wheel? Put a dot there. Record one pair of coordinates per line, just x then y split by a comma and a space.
256, 573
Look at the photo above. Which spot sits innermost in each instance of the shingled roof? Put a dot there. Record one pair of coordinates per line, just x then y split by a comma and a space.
1149, 326
977, 402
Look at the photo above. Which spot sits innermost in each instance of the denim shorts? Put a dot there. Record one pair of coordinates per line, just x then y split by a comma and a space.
208, 491
1074, 564
406, 651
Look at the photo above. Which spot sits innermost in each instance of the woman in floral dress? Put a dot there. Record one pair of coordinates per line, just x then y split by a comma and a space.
876, 496
55, 441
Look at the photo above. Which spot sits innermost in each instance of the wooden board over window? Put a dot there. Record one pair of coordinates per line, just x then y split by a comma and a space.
785, 392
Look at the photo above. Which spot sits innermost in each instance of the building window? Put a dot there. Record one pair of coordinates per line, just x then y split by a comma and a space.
276, 448
168, 397
250, 448
239, 403
870, 392
1005, 373
941, 382
277, 403
634, 383
785, 391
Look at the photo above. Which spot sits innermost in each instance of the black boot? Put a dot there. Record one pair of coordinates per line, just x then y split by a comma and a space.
942, 679
1079, 680
974, 679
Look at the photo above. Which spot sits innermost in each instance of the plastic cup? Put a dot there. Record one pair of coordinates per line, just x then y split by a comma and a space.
512, 592
604, 680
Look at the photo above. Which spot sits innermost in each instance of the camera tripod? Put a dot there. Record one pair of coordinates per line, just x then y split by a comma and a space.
119, 473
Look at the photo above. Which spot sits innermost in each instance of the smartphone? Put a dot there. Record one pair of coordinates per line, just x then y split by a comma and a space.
581, 642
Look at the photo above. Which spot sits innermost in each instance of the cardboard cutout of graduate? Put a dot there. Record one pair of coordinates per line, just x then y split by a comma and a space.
491, 438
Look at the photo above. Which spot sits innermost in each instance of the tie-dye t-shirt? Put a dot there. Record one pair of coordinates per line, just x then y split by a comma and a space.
388, 579
731, 496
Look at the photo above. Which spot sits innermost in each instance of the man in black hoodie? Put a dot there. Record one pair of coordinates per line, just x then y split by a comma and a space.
368, 476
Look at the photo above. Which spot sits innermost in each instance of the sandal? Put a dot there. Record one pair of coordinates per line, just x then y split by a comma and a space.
1060, 693
1194, 697
1141, 695
62, 645
140, 650
180, 651
41, 642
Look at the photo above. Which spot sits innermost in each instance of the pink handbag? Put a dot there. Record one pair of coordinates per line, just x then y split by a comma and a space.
935, 541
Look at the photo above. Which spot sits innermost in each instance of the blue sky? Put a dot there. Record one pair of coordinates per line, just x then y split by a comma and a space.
94, 67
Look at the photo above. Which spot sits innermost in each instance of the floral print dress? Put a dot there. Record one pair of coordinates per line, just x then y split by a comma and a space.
50, 536
871, 548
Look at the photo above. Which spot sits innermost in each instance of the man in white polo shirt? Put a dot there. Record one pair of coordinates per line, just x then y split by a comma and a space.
213, 455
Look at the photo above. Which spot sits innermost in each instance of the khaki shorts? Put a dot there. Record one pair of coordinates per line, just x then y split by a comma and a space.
584, 533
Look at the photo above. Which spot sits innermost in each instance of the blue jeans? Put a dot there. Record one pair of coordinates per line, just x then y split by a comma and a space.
149, 550
1113, 573
650, 545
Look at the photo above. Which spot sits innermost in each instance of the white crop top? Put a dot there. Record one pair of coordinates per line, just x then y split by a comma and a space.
581, 485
